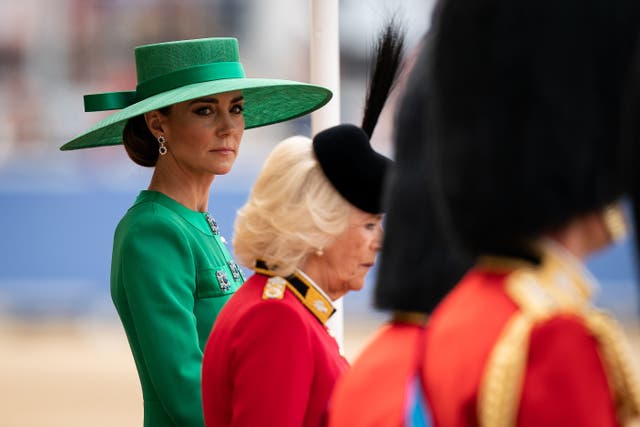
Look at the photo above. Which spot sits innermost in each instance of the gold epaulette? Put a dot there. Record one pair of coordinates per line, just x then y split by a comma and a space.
542, 292
306, 292
274, 288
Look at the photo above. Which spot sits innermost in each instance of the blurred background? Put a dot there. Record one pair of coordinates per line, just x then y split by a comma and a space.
64, 359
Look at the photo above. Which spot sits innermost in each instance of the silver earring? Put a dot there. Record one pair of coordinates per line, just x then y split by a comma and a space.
161, 140
319, 252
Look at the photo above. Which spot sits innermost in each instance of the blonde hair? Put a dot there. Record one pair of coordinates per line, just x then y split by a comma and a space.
293, 210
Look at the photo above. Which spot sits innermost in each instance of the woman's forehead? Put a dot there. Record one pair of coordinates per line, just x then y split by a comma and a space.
232, 96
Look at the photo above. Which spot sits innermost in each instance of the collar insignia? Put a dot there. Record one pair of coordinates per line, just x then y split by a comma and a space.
308, 295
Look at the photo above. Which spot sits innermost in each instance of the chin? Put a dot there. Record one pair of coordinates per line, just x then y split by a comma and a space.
222, 170
356, 286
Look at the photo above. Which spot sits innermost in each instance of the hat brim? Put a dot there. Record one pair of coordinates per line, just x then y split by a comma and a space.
266, 101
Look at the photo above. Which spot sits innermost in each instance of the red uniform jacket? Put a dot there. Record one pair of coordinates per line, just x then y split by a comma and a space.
269, 360
373, 392
521, 345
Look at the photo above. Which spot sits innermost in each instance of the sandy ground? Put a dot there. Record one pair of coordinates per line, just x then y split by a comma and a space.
82, 374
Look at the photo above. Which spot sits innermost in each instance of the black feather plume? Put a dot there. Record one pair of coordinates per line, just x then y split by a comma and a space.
384, 71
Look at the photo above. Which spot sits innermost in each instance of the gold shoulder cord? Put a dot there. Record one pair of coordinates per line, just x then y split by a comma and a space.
616, 354
501, 386
499, 393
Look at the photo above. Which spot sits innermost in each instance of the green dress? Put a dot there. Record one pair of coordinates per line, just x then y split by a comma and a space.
170, 276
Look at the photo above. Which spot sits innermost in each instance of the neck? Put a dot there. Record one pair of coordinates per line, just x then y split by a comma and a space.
582, 236
189, 191
314, 268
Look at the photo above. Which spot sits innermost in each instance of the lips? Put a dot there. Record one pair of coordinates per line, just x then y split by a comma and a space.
223, 150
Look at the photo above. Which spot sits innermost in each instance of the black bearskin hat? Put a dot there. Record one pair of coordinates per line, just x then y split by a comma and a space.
530, 115
416, 270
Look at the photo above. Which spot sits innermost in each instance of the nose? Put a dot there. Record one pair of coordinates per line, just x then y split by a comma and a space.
226, 124
377, 240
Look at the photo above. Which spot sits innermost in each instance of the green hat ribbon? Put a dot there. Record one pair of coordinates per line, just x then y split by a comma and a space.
163, 83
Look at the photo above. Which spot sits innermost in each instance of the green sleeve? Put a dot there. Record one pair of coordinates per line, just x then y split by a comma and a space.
158, 274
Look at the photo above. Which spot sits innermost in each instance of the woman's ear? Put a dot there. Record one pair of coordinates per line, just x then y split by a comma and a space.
154, 120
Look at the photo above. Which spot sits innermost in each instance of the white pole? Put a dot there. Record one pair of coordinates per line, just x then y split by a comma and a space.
325, 60
325, 71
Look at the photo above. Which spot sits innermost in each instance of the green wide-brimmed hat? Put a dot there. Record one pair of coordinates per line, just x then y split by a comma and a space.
179, 71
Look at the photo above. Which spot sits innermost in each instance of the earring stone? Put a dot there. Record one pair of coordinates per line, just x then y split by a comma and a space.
162, 149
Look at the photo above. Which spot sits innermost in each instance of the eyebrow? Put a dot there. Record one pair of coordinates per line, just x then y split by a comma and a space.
214, 100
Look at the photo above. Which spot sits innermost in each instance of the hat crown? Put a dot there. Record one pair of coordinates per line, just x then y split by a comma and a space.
159, 59
352, 166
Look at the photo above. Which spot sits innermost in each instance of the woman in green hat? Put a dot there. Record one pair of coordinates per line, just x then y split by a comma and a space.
171, 272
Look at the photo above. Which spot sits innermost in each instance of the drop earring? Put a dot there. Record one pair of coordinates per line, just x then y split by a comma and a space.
161, 140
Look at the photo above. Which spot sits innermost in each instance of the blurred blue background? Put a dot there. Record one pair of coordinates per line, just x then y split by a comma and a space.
56, 254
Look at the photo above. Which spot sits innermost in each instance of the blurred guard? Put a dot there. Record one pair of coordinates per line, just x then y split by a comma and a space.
530, 139
382, 388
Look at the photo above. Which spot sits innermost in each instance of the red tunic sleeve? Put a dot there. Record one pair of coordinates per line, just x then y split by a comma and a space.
565, 382
272, 376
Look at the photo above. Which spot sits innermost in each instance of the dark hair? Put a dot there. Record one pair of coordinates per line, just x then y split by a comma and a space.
141, 145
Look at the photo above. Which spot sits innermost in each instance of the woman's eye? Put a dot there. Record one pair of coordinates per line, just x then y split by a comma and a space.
237, 109
371, 225
204, 111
